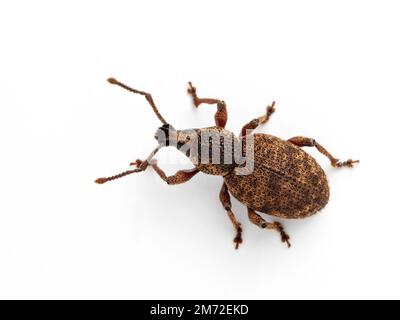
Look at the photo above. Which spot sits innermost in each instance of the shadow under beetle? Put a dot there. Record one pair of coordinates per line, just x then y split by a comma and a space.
285, 181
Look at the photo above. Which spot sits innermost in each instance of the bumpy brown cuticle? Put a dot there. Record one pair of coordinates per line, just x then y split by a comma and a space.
286, 181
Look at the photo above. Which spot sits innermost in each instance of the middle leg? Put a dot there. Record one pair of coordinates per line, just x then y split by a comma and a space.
253, 124
180, 177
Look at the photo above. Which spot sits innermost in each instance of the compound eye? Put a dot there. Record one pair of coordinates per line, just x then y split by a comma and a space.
184, 138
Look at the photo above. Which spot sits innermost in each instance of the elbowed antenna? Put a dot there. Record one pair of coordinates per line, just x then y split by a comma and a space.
148, 97
117, 176
141, 166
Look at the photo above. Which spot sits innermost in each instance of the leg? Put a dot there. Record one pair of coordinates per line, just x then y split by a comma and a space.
259, 221
180, 177
309, 142
221, 117
226, 202
257, 121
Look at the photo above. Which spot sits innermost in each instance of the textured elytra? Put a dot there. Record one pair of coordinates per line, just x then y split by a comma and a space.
285, 182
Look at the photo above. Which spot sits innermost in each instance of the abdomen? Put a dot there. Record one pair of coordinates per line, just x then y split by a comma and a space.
286, 181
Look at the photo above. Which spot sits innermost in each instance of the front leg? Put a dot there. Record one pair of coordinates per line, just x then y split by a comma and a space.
221, 116
180, 177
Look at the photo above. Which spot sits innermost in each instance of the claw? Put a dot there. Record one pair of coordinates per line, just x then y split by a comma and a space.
271, 108
191, 89
284, 236
140, 164
137, 163
238, 239
348, 163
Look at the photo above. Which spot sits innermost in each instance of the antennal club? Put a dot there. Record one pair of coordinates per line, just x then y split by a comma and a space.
148, 97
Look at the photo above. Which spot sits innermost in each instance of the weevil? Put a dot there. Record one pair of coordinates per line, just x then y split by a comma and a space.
284, 181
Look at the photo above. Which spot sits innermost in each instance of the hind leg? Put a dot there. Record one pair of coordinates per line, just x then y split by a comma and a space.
259, 221
221, 116
226, 202
309, 142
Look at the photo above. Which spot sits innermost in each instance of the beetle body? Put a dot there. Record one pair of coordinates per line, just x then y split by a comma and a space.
265, 173
285, 181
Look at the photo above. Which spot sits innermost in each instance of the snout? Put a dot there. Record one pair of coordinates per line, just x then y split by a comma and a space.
164, 133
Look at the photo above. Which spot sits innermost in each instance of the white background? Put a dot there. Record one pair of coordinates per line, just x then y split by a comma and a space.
333, 68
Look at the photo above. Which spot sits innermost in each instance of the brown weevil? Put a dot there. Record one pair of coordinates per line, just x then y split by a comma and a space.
265, 173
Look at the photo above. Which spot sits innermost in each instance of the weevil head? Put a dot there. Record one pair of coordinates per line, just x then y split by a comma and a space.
167, 136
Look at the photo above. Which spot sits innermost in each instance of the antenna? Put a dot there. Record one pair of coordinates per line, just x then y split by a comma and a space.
148, 97
123, 174
141, 166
